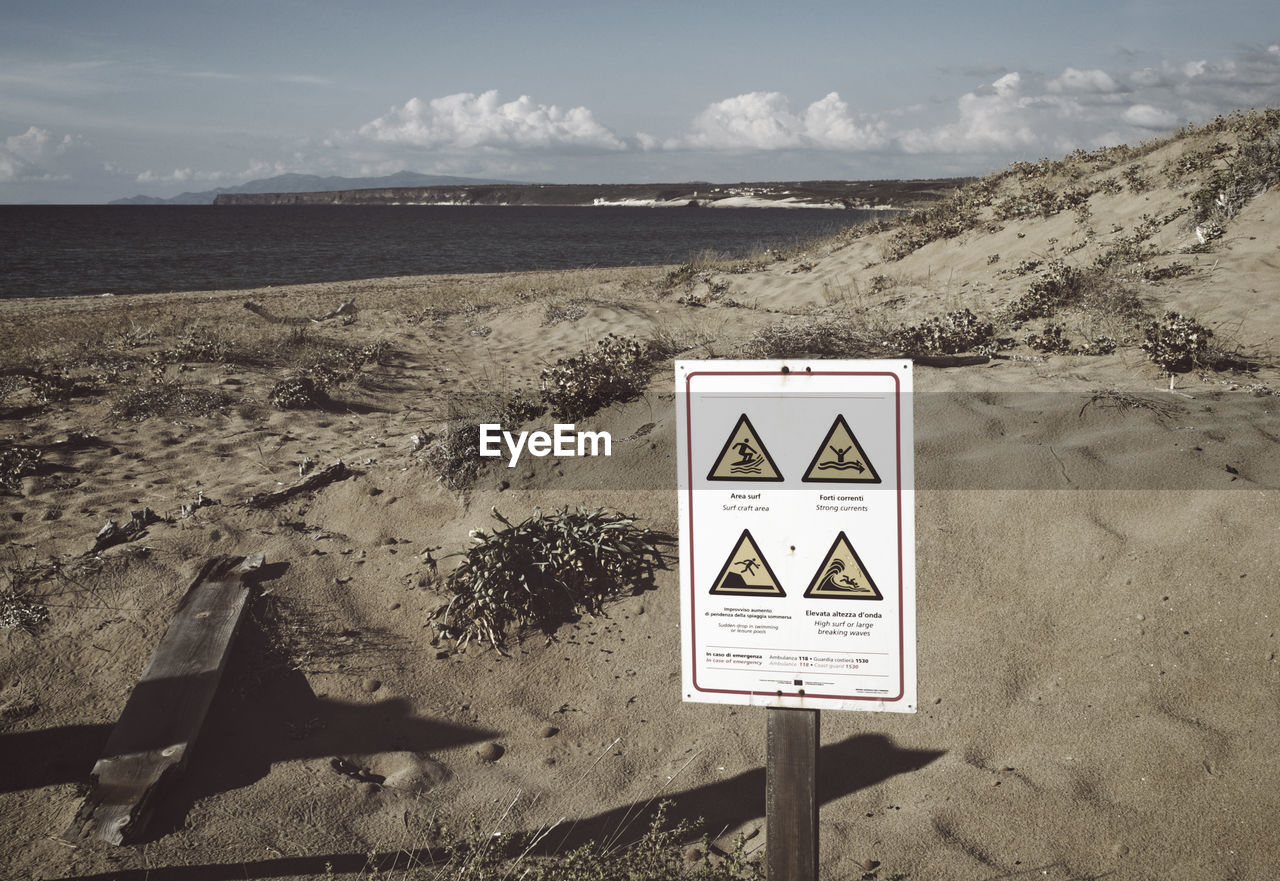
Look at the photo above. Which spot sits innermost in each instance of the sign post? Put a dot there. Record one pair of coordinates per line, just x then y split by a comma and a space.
797, 558
791, 793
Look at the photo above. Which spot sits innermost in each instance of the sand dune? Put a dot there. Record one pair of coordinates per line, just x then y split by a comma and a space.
1096, 566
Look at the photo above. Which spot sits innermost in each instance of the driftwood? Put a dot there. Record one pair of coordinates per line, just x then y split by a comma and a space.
347, 308
950, 360
163, 716
313, 481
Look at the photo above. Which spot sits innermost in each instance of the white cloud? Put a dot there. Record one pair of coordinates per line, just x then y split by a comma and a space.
764, 121
179, 176
466, 121
24, 157
1088, 81
29, 145
1146, 116
1019, 116
1000, 118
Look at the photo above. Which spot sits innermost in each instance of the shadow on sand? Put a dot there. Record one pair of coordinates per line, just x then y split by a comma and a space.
845, 767
264, 712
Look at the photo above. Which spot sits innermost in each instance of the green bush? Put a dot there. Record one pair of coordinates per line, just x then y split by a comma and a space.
21, 612
955, 332
299, 392
546, 570
1102, 345
1177, 343
17, 462
1254, 169
617, 369
454, 454
1051, 340
168, 399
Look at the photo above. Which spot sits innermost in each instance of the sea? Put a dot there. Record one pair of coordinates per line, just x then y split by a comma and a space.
94, 250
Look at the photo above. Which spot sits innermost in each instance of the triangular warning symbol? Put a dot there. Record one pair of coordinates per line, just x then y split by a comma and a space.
842, 575
840, 459
744, 457
747, 573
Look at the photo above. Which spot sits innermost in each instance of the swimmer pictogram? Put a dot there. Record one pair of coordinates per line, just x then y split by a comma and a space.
840, 458
842, 575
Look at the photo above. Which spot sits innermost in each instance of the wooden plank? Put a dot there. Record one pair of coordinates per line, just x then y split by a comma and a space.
791, 794
166, 709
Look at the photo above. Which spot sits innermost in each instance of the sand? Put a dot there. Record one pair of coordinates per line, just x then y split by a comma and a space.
1097, 598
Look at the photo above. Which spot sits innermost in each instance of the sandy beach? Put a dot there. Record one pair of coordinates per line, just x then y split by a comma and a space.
1096, 551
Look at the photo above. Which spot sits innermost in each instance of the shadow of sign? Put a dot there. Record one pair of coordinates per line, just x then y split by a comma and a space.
843, 768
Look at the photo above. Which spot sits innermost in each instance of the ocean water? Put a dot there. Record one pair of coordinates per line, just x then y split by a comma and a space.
88, 250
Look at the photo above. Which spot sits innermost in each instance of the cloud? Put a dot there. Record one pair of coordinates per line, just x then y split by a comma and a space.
467, 121
179, 176
1089, 81
996, 118
24, 157
1020, 114
1146, 116
764, 121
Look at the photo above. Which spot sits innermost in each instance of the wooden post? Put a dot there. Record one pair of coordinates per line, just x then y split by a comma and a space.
791, 794
164, 713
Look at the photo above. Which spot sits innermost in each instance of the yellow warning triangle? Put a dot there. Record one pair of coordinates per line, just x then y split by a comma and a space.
744, 457
840, 459
747, 573
842, 575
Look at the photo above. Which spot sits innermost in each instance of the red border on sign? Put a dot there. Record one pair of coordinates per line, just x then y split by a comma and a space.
693, 590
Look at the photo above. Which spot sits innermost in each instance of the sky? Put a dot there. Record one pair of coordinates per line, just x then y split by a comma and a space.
103, 100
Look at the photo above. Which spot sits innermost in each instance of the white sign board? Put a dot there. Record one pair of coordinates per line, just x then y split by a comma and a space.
797, 533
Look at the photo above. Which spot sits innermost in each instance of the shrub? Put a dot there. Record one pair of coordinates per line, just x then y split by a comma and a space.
20, 611
945, 219
545, 571
1136, 180
17, 462
168, 399
1177, 343
339, 364
482, 853
1060, 286
1102, 345
1255, 168
299, 392
1052, 340
454, 454
959, 331
308, 388
616, 370
19, 607
797, 338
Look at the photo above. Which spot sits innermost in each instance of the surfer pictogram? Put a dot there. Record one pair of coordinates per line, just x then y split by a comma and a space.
744, 456
842, 575
747, 572
840, 458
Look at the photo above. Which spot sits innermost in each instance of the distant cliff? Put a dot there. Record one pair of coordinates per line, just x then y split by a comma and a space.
312, 183
824, 194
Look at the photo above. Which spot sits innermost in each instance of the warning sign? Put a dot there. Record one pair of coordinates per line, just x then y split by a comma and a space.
744, 457
842, 575
841, 458
836, 519
747, 572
